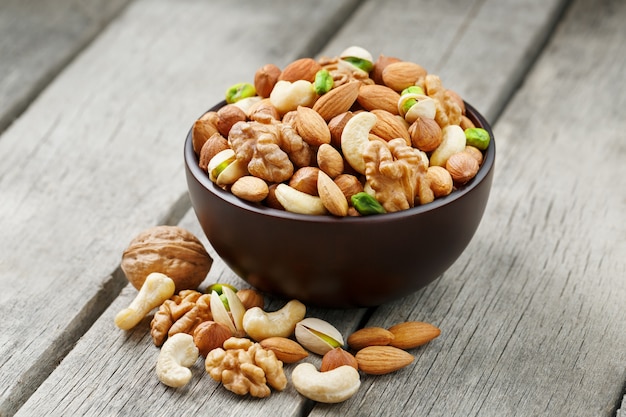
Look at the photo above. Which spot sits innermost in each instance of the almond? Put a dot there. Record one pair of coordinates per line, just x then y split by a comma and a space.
411, 334
250, 188
331, 195
336, 358
375, 96
329, 160
338, 100
300, 69
311, 126
390, 126
286, 350
380, 360
400, 75
370, 336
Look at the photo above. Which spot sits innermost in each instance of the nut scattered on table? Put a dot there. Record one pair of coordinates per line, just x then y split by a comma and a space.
170, 250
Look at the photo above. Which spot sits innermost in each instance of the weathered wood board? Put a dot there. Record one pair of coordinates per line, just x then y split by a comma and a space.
123, 365
37, 39
533, 315
97, 157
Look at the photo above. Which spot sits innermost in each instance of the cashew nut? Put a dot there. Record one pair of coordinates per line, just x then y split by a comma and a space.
260, 325
155, 290
178, 353
355, 137
296, 201
453, 141
332, 386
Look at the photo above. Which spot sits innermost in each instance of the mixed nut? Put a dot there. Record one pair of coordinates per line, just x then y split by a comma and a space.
245, 346
345, 136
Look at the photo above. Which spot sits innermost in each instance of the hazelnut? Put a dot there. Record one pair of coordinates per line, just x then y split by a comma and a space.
462, 167
336, 125
212, 147
475, 152
336, 358
203, 129
349, 185
227, 117
265, 78
426, 134
210, 335
305, 180
251, 298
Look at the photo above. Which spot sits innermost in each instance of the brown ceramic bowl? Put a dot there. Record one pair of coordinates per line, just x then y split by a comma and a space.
340, 262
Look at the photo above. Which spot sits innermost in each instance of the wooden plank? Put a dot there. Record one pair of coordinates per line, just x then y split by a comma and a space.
37, 39
532, 315
129, 369
98, 157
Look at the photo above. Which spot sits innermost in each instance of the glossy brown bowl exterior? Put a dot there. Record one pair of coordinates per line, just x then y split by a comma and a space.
340, 262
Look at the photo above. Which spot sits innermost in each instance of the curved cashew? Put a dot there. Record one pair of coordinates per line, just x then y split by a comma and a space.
155, 290
178, 353
296, 201
355, 137
260, 325
453, 141
332, 386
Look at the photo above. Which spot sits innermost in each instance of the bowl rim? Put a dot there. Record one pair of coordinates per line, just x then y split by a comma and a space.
191, 162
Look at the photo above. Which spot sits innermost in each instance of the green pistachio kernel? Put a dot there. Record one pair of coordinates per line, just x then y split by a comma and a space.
239, 91
414, 89
225, 301
221, 167
406, 106
477, 137
332, 342
366, 204
218, 288
323, 82
360, 63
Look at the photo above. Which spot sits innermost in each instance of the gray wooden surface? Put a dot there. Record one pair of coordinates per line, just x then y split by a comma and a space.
533, 314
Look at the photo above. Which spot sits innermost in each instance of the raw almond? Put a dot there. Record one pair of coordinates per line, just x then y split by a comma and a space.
400, 75
338, 100
390, 126
411, 334
250, 188
311, 126
329, 160
331, 195
379, 66
380, 360
300, 69
336, 358
286, 350
370, 336
375, 96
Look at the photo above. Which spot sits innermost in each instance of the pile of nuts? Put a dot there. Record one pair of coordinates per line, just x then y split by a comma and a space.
245, 346
346, 136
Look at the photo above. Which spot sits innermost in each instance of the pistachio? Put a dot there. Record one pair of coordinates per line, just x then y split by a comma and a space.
477, 137
366, 204
234, 320
359, 57
239, 91
323, 82
318, 336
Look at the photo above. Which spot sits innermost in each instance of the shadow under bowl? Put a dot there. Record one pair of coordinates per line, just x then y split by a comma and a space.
337, 262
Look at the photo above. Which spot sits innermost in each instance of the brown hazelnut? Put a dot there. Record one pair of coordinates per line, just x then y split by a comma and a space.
210, 335
305, 180
227, 117
462, 167
426, 134
265, 78
336, 125
336, 358
203, 129
349, 185
211, 147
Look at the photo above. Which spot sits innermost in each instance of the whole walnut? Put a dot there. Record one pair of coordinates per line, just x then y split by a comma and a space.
170, 250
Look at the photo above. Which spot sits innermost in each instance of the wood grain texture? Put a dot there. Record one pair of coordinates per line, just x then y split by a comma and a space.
37, 39
61, 391
532, 315
97, 157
